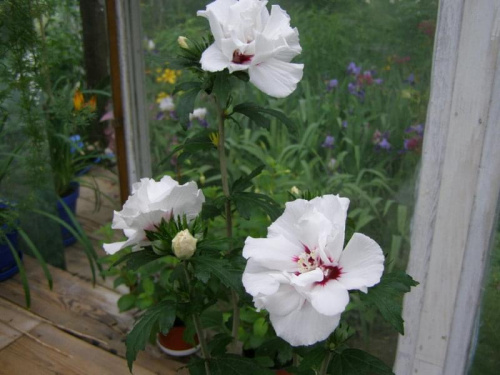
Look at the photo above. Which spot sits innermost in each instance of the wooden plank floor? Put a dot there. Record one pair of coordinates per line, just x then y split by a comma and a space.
75, 328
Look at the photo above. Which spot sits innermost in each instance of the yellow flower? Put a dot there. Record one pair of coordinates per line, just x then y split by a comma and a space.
78, 100
161, 96
214, 137
169, 76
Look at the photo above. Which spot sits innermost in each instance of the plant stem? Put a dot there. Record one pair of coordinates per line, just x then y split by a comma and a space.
197, 325
326, 362
203, 343
229, 221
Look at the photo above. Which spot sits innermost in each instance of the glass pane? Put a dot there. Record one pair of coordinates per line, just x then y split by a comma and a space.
359, 113
486, 349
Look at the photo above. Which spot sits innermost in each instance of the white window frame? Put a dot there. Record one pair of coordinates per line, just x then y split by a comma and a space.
457, 194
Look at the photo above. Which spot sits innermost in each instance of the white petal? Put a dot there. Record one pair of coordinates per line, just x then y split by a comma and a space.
335, 209
185, 200
278, 24
217, 14
286, 224
112, 248
362, 263
259, 280
283, 302
304, 326
330, 298
276, 78
213, 60
307, 279
276, 253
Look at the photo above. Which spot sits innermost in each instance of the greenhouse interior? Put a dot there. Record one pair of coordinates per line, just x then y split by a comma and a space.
250, 187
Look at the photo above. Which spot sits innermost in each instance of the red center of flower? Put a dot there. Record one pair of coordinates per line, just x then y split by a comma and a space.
310, 260
240, 58
330, 273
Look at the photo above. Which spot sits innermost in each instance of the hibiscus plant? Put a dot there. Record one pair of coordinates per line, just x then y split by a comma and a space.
299, 278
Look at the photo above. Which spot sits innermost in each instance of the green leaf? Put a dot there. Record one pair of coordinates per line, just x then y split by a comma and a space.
255, 113
244, 182
161, 315
221, 269
247, 202
276, 348
187, 98
312, 358
126, 302
260, 327
251, 111
218, 343
137, 259
222, 87
357, 362
229, 364
387, 297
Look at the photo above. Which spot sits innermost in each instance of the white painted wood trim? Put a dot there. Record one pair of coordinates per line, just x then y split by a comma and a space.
132, 70
457, 193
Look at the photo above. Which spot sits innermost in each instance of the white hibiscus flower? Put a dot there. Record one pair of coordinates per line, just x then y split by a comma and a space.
150, 202
248, 37
300, 273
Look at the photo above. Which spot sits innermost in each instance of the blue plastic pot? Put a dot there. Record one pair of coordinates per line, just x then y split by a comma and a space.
70, 201
8, 265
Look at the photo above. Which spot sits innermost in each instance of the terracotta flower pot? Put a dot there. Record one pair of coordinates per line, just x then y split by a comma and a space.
173, 344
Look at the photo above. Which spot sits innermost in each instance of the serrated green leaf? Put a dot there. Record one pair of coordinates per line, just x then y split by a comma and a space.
387, 297
247, 202
221, 269
357, 362
126, 302
162, 315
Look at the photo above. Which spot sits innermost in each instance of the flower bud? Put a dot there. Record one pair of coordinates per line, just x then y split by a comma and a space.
184, 244
182, 40
295, 190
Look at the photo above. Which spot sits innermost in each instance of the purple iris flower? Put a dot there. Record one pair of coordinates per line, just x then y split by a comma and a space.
344, 124
333, 83
173, 115
378, 81
417, 129
352, 88
329, 142
160, 116
384, 144
411, 79
203, 123
353, 69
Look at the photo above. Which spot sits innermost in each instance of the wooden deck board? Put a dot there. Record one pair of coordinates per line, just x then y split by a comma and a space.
75, 318
60, 354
